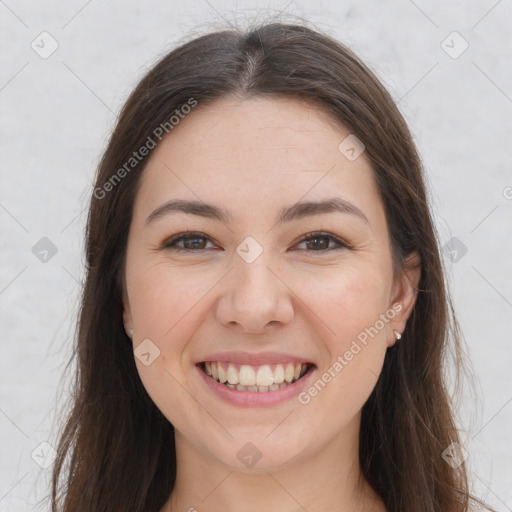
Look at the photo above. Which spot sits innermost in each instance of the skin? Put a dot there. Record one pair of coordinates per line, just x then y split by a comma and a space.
254, 157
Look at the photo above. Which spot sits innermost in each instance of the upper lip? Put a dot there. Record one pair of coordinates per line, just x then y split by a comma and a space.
254, 359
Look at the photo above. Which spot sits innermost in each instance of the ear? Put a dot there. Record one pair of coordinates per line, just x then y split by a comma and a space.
405, 291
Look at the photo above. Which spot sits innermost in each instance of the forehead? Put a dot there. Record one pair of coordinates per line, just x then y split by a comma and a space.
242, 152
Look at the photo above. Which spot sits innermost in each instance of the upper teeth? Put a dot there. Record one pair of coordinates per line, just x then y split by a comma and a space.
247, 375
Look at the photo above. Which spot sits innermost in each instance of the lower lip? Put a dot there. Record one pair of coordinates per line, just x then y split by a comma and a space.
256, 398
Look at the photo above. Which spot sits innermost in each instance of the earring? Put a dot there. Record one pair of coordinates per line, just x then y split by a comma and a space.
397, 334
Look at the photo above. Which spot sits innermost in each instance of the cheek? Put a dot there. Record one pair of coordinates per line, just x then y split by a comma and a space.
164, 299
164, 305
350, 306
347, 300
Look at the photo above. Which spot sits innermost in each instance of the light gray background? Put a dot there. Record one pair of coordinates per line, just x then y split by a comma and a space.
56, 114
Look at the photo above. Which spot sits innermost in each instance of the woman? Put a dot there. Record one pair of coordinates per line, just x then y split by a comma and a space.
264, 316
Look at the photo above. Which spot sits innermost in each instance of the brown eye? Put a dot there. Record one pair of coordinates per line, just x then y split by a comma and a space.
191, 242
319, 242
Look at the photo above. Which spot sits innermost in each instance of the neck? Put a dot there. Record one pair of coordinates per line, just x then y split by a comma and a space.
327, 480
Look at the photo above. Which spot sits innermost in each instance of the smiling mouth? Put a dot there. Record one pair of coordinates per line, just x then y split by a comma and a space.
268, 377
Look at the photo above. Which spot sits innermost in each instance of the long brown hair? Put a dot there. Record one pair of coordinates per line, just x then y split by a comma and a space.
116, 450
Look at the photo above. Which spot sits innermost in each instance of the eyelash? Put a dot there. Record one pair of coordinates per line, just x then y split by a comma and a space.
170, 243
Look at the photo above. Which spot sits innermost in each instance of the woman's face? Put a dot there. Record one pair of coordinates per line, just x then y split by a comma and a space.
245, 293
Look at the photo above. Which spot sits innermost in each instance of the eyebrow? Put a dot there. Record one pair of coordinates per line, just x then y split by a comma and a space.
287, 214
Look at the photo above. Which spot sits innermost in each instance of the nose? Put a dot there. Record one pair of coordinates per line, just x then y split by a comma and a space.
255, 297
